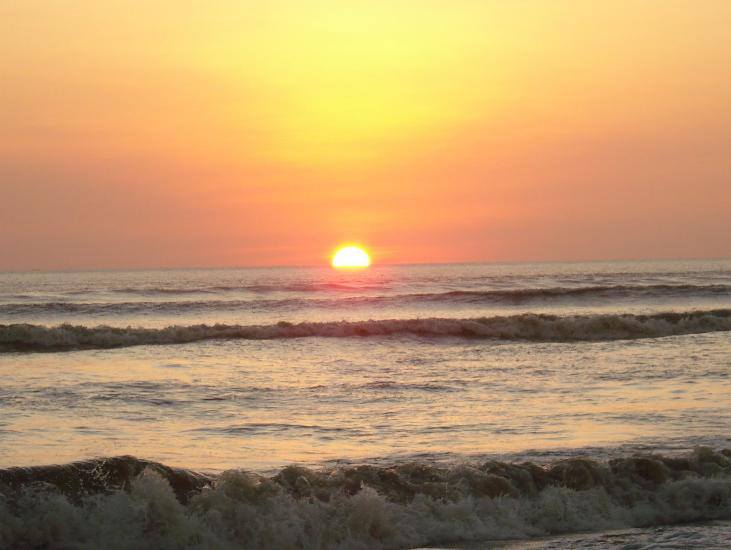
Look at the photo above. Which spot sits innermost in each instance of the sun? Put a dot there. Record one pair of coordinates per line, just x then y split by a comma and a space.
351, 256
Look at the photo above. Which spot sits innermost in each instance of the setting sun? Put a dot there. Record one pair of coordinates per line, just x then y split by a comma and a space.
351, 256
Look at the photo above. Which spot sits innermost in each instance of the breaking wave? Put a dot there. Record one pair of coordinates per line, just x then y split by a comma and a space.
526, 327
135, 503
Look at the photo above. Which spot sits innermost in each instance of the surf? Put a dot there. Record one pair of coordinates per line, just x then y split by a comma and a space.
138, 503
524, 327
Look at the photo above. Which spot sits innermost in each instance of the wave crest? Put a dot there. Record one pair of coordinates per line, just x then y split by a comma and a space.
527, 327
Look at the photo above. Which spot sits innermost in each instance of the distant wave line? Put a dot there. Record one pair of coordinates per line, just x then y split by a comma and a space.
357, 286
476, 297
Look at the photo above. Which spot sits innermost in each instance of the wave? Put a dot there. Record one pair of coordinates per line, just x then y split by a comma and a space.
525, 327
516, 293
458, 297
522, 295
139, 503
519, 327
355, 286
146, 307
304, 286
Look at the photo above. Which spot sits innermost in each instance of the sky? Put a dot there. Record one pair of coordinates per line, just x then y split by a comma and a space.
172, 133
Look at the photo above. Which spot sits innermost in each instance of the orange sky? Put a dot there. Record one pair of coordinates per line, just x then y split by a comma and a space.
191, 133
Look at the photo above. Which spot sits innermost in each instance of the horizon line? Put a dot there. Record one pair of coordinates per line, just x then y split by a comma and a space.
372, 266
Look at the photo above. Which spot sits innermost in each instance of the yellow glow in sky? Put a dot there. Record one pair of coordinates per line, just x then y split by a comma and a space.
236, 132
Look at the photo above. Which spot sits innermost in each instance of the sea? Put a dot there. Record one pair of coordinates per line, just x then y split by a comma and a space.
544, 405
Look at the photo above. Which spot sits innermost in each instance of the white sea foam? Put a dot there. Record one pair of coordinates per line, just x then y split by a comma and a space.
365, 507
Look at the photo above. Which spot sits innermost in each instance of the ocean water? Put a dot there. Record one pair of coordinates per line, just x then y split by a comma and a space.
561, 405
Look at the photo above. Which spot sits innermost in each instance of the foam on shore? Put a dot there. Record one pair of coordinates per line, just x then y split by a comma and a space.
126, 502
